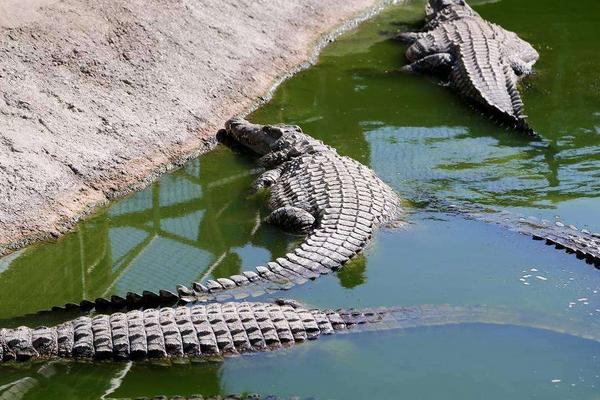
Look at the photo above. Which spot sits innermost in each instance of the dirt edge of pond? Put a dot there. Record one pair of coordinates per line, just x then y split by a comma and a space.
100, 98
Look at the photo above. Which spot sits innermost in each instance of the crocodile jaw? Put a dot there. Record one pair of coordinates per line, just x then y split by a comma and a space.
258, 138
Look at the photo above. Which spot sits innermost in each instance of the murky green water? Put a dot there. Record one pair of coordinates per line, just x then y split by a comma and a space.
421, 138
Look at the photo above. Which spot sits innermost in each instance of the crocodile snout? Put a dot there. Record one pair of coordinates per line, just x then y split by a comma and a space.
249, 135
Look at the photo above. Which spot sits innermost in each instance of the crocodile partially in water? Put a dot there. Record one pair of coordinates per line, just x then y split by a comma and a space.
335, 200
233, 328
482, 60
338, 203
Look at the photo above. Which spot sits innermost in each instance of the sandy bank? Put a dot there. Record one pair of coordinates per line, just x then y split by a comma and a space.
101, 96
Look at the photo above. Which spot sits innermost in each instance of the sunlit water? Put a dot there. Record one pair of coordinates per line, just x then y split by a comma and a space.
421, 138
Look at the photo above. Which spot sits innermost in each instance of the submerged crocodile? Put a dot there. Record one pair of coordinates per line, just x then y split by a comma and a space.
581, 242
225, 329
482, 60
338, 203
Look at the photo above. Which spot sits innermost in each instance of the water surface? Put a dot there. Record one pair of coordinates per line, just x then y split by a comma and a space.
420, 137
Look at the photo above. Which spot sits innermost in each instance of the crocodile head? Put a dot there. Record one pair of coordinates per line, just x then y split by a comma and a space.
439, 5
263, 139
448, 10
258, 138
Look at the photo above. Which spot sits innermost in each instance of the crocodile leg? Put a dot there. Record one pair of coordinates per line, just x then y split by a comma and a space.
425, 46
294, 218
432, 63
267, 179
409, 37
273, 159
520, 67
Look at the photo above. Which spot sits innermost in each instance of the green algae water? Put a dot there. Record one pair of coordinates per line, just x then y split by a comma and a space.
201, 222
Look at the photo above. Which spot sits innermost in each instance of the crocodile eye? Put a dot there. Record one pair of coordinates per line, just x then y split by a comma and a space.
274, 132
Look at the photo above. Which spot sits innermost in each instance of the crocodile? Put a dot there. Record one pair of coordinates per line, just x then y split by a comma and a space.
581, 242
334, 200
338, 203
483, 61
215, 330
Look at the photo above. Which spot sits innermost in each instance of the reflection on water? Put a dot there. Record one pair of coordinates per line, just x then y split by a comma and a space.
421, 138
79, 381
451, 162
197, 222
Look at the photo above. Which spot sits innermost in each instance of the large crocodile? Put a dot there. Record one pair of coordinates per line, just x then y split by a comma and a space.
482, 60
339, 203
335, 200
223, 329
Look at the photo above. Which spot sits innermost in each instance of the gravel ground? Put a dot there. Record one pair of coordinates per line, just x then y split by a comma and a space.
99, 97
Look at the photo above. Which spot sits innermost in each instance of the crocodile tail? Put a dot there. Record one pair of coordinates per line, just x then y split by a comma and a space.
221, 329
443, 315
518, 119
197, 332
581, 242
324, 250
